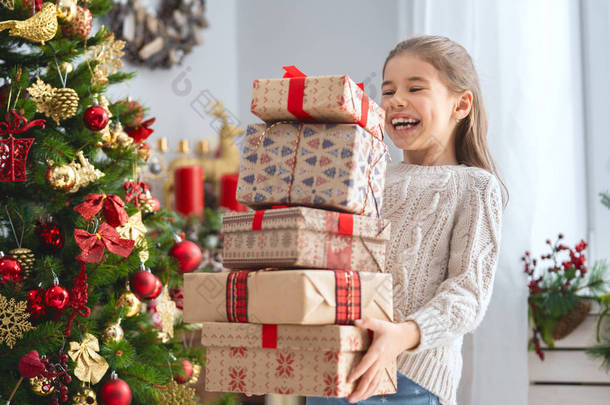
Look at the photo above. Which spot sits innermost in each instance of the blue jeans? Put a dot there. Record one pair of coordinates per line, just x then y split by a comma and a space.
408, 393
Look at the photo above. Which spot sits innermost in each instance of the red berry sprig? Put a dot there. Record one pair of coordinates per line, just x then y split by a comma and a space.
57, 373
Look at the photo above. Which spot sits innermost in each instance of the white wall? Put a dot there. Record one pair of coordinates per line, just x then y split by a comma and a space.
209, 71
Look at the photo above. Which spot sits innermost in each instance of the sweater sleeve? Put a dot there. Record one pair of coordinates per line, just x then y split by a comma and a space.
461, 300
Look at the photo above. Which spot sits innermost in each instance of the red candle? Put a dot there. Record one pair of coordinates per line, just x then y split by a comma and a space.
188, 190
228, 189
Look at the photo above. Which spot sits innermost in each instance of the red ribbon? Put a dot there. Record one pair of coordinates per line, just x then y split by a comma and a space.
142, 131
93, 245
269, 336
296, 92
364, 107
114, 211
133, 190
346, 224
79, 297
257, 221
18, 124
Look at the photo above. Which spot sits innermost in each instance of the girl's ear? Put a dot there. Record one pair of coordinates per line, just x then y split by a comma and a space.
463, 105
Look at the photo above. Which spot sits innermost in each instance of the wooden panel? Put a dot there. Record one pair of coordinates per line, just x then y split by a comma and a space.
568, 395
566, 366
584, 335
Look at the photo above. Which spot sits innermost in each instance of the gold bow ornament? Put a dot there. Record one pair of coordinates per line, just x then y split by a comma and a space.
90, 366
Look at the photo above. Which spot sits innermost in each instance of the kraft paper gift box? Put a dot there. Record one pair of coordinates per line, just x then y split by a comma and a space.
301, 297
316, 98
286, 359
304, 238
332, 166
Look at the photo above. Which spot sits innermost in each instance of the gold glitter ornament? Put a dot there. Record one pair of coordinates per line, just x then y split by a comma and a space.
108, 54
13, 320
115, 137
41, 27
132, 304
73, 176
56, 103
66, 10
135, 230
41, 386
178, 394
26, 259
90, 365
10, 4
166, 308
114, 332
85, 397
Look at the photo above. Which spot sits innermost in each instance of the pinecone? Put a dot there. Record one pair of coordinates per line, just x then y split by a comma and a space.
26, 259
570, 321
63, 104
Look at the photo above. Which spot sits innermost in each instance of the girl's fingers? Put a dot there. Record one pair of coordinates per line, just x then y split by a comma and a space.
362, 390
367, 361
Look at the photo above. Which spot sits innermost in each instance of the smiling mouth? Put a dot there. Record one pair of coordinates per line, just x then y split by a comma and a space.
404, 123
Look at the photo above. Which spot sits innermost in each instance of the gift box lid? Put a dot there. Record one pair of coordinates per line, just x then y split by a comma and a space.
306, 218
285, 337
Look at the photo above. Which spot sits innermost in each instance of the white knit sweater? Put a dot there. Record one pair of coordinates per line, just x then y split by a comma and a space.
446, 226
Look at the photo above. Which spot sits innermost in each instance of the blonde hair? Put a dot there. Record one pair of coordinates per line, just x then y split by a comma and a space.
457, 71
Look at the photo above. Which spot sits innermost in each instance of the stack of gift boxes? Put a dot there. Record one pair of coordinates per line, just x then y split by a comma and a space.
310, 259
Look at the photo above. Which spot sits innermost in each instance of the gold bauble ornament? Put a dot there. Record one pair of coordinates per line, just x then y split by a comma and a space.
26, 259
41, 27
41, 386
62, 177
64, 67
131, 303
114, 333
85, 397
66, 10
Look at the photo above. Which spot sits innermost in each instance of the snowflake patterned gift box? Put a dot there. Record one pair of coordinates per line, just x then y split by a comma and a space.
316, 98
299, 297
301, 237
286, 359
333, 166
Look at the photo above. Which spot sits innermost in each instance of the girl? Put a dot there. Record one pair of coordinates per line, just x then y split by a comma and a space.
445, 204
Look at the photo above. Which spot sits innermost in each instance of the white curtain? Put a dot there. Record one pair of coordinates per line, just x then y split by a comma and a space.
528, 56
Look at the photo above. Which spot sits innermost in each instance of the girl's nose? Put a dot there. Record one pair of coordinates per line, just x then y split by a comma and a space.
398, 101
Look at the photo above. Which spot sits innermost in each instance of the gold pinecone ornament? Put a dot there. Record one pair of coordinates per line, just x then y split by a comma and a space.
570, 321
26, 259
56, 103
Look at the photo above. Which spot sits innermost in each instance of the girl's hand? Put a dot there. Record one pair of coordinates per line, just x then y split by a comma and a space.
389, 340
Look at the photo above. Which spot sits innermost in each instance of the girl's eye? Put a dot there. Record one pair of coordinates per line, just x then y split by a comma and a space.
415, 89
387, 92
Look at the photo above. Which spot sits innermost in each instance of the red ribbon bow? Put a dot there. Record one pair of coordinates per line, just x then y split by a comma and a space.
18, 124
296, 93
93, 245
142, 131
114, 213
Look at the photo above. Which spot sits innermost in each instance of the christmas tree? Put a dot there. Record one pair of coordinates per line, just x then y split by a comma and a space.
84, 242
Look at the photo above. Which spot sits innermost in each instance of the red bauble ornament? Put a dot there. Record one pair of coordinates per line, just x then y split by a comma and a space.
56, 297
187, 372
115, 392
96, 118
50, 236
157, 290
187, 254
143, 284
10, 270
35, 307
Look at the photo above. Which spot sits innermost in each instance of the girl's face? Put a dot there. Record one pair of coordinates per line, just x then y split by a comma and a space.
421, 112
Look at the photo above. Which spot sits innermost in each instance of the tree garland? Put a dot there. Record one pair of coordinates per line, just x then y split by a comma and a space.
163, 38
